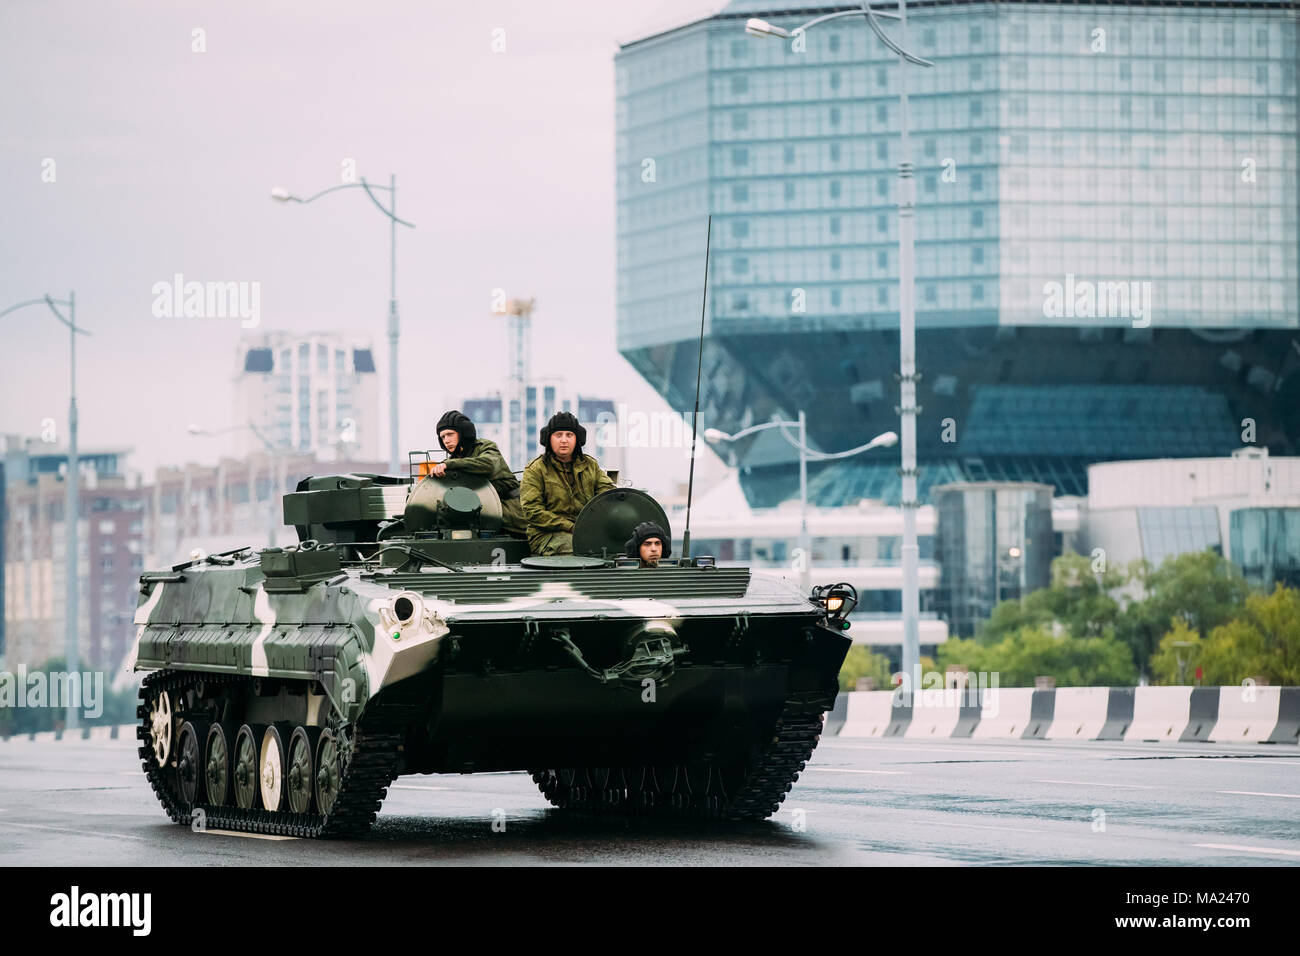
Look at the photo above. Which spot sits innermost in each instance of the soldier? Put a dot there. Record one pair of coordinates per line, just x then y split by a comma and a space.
557, 483
648, 543
469, 455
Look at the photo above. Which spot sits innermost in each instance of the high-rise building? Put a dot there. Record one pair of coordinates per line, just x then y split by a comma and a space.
1106, 234
125, 526
110, 542
308, 393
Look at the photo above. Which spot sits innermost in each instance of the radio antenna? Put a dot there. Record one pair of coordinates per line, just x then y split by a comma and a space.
699, 366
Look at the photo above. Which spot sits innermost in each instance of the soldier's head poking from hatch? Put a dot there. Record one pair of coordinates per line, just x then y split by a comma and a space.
563, 437
456, 434
649, 543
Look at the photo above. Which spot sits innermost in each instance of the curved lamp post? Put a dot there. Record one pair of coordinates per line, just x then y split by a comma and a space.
280, 194
71, 509
906, 306
884, 440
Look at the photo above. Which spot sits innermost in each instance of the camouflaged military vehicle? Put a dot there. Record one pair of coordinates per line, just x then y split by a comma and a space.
286, 689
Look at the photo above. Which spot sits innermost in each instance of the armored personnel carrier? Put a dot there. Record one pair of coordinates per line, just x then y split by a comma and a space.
285, 689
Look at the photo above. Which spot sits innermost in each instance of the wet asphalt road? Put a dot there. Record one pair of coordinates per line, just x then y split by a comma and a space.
860, 802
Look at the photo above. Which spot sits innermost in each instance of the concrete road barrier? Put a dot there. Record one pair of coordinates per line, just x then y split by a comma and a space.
1005, 713
1119, 714
1287, 730
833, 720
1080, 713
1160, 714
1204, 713
944, 712
868, 713
1247, 714
1042, 709
1218, 714
97, 732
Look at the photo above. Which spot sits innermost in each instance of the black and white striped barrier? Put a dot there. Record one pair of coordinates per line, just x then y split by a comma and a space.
98, 732
1243, 714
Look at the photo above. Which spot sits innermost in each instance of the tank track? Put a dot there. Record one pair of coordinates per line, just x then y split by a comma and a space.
765, 779
371, 766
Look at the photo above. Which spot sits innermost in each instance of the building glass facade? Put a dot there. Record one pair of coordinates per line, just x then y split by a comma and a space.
995, 544
1266, 545
1106, 244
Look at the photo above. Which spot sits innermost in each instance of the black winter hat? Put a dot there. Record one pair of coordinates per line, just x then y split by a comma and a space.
647, 529
461, 424
564, 422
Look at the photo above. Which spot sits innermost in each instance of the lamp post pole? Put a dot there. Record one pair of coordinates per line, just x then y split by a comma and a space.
394, 460
907, 368
71, 506
907, 375
280, 194
805, 545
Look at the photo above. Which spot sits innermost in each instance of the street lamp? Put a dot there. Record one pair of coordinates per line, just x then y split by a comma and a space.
280, 194
273, 466
71, 509
906, 307
885, 440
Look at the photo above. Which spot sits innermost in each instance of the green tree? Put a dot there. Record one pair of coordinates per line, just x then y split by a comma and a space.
1032, 652
1262, 641
861, 662
1077, 598
1202, 589
1176, 659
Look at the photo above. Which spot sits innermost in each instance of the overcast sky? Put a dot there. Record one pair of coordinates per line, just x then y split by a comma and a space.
163, 159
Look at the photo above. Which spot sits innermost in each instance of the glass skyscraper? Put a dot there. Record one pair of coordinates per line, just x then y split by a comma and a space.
1106, 244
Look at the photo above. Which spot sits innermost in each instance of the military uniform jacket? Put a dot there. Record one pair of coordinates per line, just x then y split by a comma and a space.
552, 499
486, 461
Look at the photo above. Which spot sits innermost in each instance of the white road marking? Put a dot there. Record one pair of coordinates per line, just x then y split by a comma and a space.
92, 833
1248, 849
1089, 783
1257, 793
977, 826
248, 836
414, 786
840, 770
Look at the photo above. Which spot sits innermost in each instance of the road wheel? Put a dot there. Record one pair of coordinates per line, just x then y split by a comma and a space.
160, 728
246, 765
328, 770
189, 763
299, 779
216, 766
271, 767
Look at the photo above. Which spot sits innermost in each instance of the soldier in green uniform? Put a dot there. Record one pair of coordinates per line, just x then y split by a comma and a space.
467, 455
557, 483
